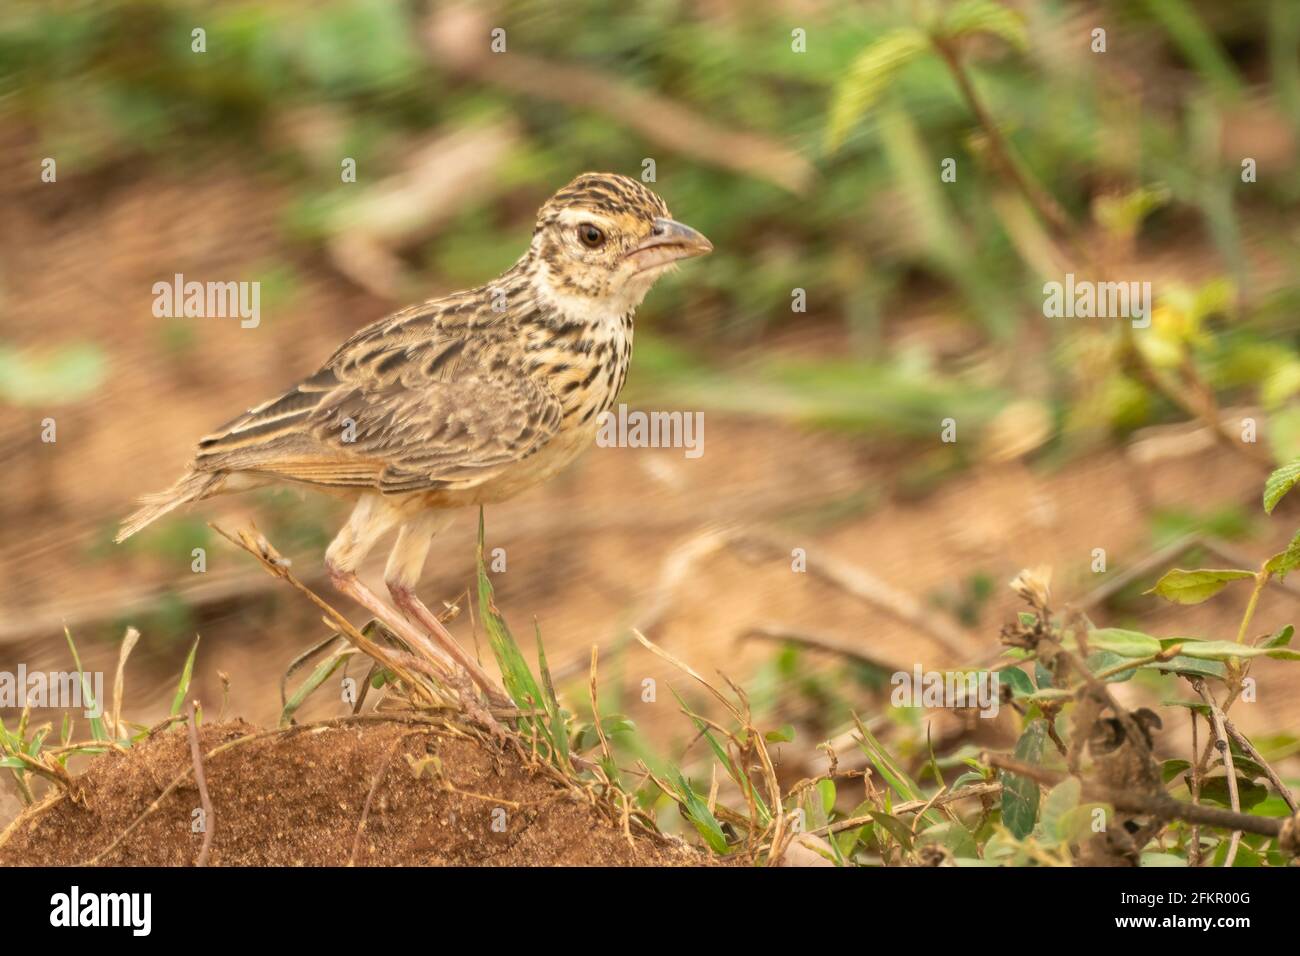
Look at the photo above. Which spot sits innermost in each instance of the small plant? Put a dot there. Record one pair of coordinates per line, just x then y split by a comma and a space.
1112, 800
26, 750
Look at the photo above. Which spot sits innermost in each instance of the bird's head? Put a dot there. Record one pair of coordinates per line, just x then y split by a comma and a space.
602, 241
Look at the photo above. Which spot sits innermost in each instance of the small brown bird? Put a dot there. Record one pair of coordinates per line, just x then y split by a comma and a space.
464, 400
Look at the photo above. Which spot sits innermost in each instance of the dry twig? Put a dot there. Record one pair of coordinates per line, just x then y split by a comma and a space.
201, 781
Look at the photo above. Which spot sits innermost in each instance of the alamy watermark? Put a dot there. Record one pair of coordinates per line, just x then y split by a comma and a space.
638, 429
936, 689
208, 300
130, 910
58, 690
1085, 299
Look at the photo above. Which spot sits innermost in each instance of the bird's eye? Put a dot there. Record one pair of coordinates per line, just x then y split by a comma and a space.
590, 236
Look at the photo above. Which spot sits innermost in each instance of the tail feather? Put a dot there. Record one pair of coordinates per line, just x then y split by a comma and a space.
192, 486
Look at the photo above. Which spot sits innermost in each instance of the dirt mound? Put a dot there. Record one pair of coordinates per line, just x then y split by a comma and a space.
427, 796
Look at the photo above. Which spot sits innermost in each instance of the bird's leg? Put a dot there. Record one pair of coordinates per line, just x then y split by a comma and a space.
369, 521
347, 582
403, 571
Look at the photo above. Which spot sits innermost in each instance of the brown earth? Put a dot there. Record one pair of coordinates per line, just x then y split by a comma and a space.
299, 798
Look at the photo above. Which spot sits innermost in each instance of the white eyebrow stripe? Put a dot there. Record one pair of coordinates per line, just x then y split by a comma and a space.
577, 216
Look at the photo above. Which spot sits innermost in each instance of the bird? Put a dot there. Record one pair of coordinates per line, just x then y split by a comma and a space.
463, 400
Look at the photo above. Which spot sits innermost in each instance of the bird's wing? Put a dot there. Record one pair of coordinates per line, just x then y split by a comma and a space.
401, 407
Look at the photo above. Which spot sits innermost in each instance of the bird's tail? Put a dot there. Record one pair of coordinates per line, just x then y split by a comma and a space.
192, 486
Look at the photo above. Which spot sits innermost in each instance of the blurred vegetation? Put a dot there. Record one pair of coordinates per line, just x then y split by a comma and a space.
1135, 145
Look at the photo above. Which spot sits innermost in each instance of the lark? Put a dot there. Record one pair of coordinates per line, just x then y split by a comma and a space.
463, 400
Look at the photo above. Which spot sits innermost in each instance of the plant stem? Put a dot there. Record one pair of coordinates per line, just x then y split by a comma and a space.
1159, 804
1261, 579
1194, 846
1046, 207
1126, 666
1217, 721
1253, 753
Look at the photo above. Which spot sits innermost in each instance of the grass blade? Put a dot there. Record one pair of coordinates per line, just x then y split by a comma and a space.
699, 814
128, 644
559, 732
515, 673
308, 687
96, 723
183, 687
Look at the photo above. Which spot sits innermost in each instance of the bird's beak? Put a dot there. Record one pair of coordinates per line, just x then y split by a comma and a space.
669, 241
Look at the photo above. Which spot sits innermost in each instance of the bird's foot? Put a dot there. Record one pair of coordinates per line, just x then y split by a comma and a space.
409, 603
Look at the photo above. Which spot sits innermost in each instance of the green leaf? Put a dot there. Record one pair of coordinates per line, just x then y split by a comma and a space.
1122, 642
586, 738
984, 16
868, 78
847, 840
896, 828
1059, 801
1245, 766
1246, 855
698, 813
1020, 795
1281, 639
183, 686
1195, 705
8, 741
1076, 824
1287, 561
826, 789
1021, 685
781, 736
1182, 664
1099, 661
1279, 483
1226, 650
1215, 789
1193, 587
34, 746
971, 777
1121, 215
952, 835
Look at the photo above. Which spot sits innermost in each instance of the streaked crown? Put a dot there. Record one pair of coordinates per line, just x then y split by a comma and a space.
606, 193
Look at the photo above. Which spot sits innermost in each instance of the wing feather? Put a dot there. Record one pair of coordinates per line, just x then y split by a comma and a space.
405, 405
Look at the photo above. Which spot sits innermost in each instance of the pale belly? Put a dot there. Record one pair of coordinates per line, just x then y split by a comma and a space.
553, 458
